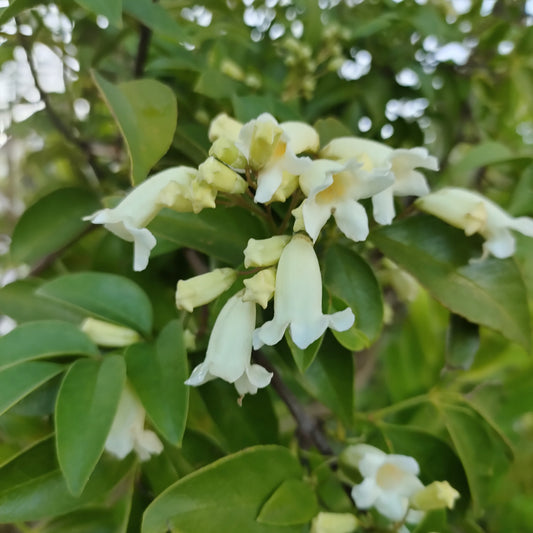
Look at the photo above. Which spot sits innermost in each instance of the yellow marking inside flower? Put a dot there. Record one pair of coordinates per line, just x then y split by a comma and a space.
280, 150
389, 476
476, 219
336, 190
365, 160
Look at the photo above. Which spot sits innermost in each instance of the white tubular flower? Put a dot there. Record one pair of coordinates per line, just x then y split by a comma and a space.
298, 299
260, 288
202, 289
473, 213
437, 495
108, 334
223, 126
264, 252
334, 523
401, 163
127, 431
334, 188
230, 348
389, 481
271, 150
175, 187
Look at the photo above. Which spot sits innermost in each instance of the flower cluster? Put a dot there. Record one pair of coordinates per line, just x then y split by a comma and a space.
263, 162
391, 485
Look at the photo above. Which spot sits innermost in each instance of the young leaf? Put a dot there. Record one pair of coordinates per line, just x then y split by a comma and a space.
293, 502
350, 280
85, 408
106, 296
489, 292
51, 223
111, 9
158, 372
43, 339
226, 496
18, 381
146, 113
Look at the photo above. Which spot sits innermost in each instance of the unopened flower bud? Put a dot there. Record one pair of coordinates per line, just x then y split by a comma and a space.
437, 495
224, 126
264, 252
231, 69
260, 288
334, 523
190, 340
266, 138
226, 151
107, 334
253, 81
202, 289
221, 177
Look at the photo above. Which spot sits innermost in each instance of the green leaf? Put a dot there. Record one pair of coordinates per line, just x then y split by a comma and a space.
330, 128
111, 9
158, 372
462, 343
293, 502
253, 422
15, 7
303, 358
225, 496
489, 292
19, 301
18, 381
215, 84
350, 280
330, 379
250, 106
105, 296
220, 233
51, 223
85, 408
155, 17
146, 113
39, 340
483, 451
46, 495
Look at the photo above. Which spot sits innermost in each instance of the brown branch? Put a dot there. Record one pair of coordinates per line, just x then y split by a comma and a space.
55, 119
145, 36
308, 430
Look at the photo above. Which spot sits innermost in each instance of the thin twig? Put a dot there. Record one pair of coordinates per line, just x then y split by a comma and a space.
55, 119
308, 430
145, 36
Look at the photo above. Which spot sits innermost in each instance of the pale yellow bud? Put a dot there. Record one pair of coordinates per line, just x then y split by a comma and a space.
226, 151
202, 289
231, 69
253, 81
298, 219
437, 495
189, 339
107, 334
260, 288
289, 183
224, 126
264, 252
221, 177
266, 139
334, 523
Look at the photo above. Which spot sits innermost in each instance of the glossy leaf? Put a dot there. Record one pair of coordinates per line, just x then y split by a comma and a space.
146, 113
351, 282
51, 223
15, 7
226, 496
42, 339
483, 451
489, 292
303, 358
293, 502
19, 301
106, 296
110, 9
18, 381
462, 343
221, 233
158, 372
330, 379
85, 408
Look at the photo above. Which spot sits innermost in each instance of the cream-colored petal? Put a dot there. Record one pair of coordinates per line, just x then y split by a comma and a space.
301, 137
351, 219
315, 216
383, 206
224, 126
373, 153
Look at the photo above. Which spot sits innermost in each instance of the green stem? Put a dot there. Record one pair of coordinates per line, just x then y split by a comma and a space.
400, 406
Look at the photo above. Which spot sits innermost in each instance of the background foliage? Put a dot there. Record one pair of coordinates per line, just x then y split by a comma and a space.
90, 95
